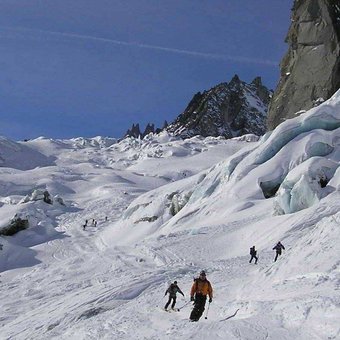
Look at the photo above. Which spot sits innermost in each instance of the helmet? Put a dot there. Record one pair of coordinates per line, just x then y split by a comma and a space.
175, 282
202, 273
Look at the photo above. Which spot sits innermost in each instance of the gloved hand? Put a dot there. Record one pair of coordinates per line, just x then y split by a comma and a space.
210, 300
192, 299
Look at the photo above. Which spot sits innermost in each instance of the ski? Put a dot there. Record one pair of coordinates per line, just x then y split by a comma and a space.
230, 316
183, 305
171, 310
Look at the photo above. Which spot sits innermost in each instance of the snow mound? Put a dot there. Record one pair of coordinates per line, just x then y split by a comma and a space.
20, 156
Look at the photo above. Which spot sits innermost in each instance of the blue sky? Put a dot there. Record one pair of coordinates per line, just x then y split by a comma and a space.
87, 68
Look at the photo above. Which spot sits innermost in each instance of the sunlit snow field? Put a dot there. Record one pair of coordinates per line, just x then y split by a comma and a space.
166, 209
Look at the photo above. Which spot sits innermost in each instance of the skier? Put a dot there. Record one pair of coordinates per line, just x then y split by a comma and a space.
172, 290
253, 254
84, 226
278, 249
199, 291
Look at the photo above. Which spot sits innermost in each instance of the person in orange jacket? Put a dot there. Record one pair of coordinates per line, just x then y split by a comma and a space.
199, 291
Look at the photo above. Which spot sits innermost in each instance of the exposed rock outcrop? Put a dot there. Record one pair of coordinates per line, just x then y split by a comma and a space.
228, 109
150, 128
17, 224
310, 71
36, 195
133, 132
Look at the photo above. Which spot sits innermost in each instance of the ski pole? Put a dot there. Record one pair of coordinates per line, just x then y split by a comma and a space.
184, 305
206, 314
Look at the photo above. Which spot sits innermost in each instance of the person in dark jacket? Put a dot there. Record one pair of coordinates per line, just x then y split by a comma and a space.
278, 249
172, 290
253, 254
199, 291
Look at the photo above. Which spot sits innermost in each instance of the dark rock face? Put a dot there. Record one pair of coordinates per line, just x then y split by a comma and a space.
133, 132
17, 224
47, 197
310, 71
150, 128
228, 109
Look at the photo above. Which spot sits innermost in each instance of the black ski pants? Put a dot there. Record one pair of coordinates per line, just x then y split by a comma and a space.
173, 298
198, 307
277, 255
253, 257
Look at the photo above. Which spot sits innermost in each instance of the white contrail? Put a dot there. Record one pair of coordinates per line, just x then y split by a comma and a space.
147, 46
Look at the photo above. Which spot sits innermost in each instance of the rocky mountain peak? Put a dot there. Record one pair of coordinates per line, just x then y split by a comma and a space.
150, 128
235, 80
257, 82
134, 131
228, 109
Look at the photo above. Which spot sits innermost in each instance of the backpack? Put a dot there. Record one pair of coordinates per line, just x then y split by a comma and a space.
172, 289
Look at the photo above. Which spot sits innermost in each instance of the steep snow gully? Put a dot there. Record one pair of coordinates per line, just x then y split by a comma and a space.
165, 209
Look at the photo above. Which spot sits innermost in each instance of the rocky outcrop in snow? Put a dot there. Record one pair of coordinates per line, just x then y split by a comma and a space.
42, 195
228, 109
150, 128
38, 195
16, 224
310, 71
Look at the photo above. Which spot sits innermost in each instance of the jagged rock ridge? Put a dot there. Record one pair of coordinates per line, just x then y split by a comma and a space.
310, 71
228, 109
150, 128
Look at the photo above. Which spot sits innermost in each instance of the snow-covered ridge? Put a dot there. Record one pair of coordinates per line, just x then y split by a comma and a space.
260, 170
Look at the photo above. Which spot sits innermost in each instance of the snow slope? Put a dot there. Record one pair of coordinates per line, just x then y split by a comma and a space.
173, 208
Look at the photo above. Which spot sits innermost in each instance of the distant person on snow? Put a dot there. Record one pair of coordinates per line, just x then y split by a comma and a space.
172, 290
253, 254
199, 291
84, 226
278, 249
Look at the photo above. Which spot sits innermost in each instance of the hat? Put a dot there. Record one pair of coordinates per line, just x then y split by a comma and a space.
202, 273
175, 282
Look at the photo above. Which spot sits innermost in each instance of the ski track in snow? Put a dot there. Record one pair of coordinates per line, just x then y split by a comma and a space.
85, 289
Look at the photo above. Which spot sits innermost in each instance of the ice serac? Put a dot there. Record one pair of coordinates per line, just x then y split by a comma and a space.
228, 109
305, 185
310, 70
296, 163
